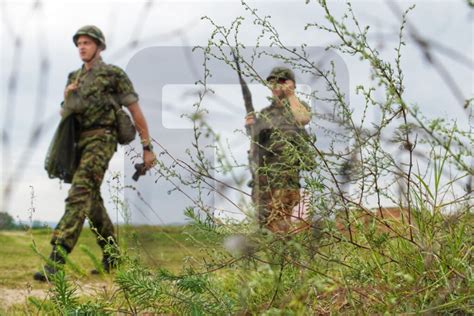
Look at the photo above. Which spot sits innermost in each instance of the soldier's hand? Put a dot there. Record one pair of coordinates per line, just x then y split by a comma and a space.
149, 159
71, 87
249, 119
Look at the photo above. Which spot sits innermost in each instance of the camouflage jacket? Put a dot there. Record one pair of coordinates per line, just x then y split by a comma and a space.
279, 140
95, 87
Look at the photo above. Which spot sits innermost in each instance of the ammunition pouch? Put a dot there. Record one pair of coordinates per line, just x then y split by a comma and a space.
126, 131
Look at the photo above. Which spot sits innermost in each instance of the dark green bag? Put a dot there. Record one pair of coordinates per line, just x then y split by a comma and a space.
62, 158
126, 131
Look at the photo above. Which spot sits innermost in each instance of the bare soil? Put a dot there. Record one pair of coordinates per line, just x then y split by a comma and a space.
10, 297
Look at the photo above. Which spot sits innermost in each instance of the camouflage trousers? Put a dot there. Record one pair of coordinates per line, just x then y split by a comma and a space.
84, 199
275, 206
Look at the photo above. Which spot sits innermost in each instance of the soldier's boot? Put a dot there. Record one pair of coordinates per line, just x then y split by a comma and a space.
57, 258
108, 264
110, 257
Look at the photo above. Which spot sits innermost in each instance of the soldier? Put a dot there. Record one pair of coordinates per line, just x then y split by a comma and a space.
278, 136
95, 83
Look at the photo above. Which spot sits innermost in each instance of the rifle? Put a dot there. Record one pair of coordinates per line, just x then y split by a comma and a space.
250, 129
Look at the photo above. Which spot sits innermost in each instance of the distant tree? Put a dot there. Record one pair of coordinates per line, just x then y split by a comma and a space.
6, 221
38, 224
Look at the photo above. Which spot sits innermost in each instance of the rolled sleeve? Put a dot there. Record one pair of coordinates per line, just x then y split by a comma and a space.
128, 99
126, 94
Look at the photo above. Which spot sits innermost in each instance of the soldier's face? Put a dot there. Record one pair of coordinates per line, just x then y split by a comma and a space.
87, 47
278, 87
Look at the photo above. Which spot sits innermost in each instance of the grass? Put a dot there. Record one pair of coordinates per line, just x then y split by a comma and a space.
389, 275
156, 247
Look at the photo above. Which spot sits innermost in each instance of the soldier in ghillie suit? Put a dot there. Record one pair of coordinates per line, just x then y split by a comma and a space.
278, 137
94, 86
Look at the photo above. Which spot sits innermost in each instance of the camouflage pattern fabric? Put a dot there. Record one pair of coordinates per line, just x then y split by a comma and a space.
281, 73
93, 32
278, 207
84, 198
279, 140
274, 205
276, 186
96, 86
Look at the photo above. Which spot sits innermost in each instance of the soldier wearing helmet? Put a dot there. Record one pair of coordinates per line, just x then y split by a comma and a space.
90, 94
93, 32
279, 130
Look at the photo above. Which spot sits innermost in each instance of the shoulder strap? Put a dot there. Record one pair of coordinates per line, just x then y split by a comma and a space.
117, 107
78, 76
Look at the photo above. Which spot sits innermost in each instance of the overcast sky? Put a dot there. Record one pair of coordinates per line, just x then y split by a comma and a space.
43, 32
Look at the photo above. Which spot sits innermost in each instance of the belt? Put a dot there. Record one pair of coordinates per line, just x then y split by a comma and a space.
95, 132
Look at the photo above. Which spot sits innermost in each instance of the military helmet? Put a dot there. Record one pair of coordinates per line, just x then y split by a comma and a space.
93, 32
281, 73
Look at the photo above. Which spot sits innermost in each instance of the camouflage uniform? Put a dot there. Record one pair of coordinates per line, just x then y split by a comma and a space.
276, 188
97, 144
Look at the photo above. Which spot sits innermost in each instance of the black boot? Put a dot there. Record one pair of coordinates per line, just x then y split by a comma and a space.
49, 269
110, 255
108, 264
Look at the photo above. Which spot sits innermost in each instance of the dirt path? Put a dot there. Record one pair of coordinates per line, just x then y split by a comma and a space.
10, 297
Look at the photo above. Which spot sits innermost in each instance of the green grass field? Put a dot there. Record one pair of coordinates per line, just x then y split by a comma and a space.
188, 270
157, 247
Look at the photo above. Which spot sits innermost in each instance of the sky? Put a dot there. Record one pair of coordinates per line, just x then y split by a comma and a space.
37, 53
